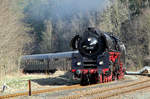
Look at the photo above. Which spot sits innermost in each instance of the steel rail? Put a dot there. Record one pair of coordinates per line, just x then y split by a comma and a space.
122, 92
89, 93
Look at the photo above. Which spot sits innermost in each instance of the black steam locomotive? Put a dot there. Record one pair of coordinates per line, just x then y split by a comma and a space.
101, 57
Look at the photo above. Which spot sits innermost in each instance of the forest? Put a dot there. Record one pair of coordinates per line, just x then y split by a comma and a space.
45, 26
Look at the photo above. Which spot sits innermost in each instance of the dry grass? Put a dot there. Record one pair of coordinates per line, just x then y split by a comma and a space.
19, 82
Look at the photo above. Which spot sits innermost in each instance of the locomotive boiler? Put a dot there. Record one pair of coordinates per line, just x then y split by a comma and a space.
101, 57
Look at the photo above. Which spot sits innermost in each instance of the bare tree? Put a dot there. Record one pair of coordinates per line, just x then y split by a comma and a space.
13, 36
114, 15
46, 43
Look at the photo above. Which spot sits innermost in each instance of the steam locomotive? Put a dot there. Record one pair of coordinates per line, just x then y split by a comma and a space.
101, 57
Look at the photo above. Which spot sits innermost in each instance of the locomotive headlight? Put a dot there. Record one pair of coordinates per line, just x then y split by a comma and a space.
78, 63
89, 39
101, 63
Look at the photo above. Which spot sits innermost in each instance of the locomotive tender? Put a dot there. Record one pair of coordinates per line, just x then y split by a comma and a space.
101, 57
98, 57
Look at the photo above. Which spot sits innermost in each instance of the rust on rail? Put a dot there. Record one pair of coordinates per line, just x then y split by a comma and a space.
40, 91
89, 93
121, 92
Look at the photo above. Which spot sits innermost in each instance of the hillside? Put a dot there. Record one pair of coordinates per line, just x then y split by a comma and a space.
43, 26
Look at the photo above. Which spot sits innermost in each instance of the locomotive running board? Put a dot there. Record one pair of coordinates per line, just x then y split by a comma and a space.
144, 71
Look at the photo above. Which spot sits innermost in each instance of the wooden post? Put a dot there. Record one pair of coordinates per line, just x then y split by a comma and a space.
47, 71
29, 83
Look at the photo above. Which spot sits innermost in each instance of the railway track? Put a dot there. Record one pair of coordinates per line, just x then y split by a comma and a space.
121, 92
40, 91
100, 91
85, 94
46, 90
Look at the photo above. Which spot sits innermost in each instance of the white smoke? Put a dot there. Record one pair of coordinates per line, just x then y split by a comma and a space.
41, 9
69, 7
